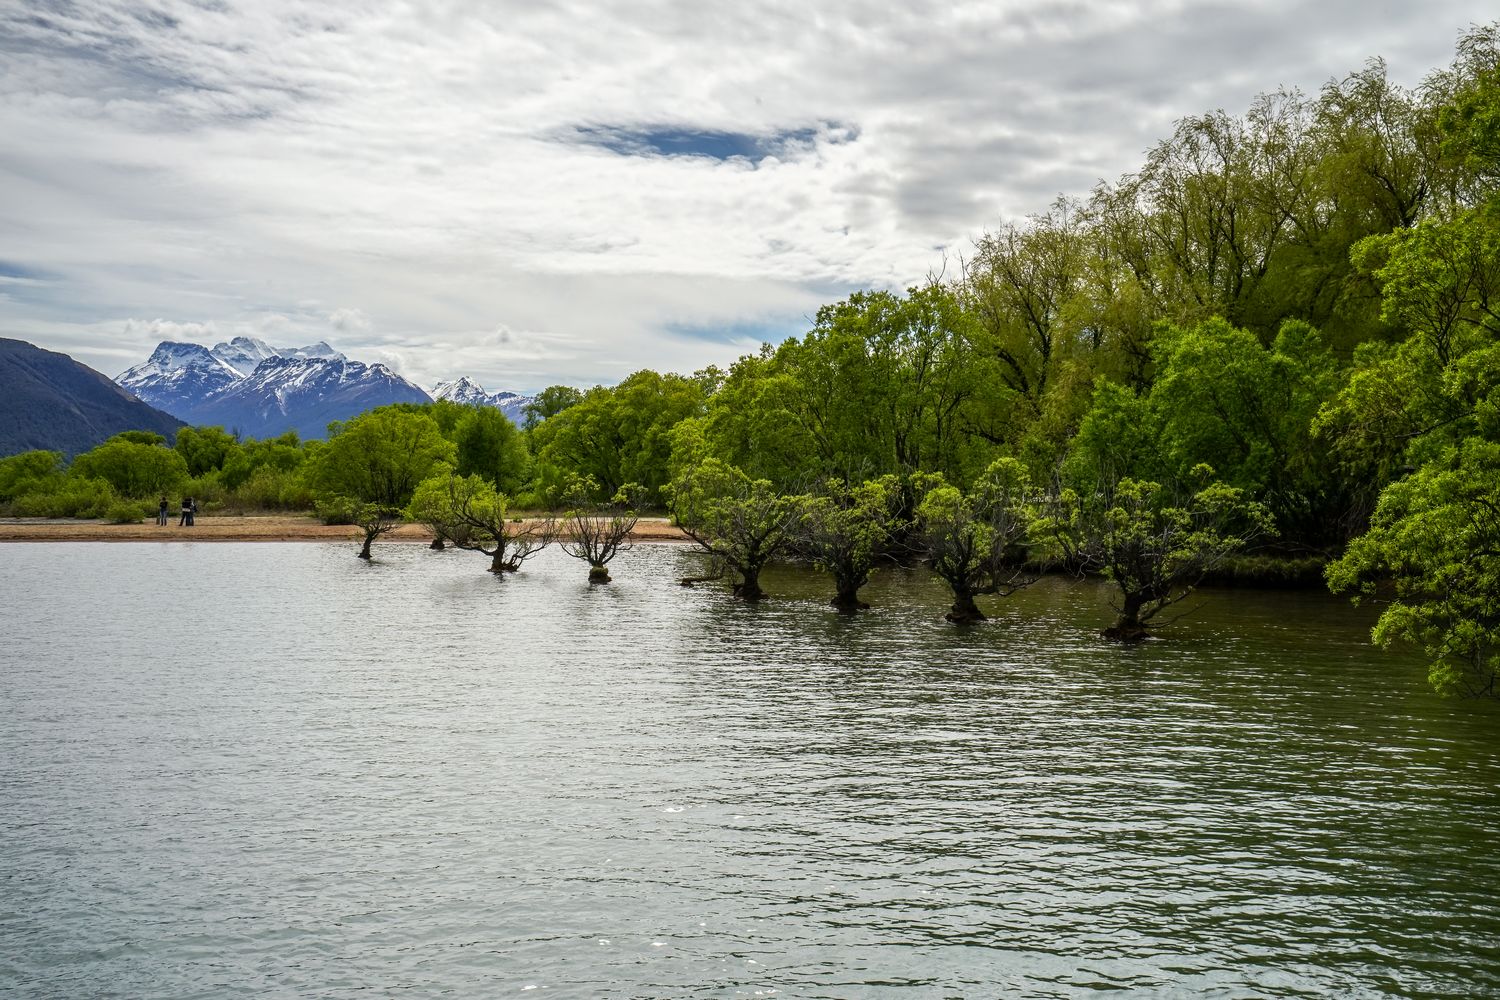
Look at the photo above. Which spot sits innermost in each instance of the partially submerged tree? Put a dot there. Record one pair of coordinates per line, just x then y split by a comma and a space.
976, 541
742, 522
597, 532
843, 529
1436, 535
1155, 543
371, 465
374, 520
472, 515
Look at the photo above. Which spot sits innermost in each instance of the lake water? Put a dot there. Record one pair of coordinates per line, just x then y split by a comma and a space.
271, 769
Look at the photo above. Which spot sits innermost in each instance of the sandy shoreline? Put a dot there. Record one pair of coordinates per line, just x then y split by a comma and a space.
252, 528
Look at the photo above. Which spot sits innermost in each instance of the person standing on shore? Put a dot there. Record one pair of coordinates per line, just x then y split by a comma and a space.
187, 513
161, 513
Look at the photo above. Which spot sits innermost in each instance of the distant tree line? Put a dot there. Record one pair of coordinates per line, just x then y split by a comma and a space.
1282, 332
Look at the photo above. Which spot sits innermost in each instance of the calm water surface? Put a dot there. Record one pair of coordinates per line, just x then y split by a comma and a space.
270, 769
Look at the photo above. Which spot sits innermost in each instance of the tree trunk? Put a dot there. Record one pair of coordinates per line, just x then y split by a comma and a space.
1128, 627
748, 589
497, 562
437, 544
846, 600
364, 551
964, 609
598, 573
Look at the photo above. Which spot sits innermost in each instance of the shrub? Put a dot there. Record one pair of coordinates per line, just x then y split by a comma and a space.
337, 510
73, 496
272, 489
124, 512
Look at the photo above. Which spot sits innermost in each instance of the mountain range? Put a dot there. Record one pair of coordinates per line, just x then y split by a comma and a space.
467, 392
248, 386
49, 401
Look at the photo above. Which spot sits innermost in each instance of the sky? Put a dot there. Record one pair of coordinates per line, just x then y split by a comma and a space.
535, 193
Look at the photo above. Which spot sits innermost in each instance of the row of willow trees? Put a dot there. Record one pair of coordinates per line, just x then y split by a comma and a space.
1304, 298
1155, 543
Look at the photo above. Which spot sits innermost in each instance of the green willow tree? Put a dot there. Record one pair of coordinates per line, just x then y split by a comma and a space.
1432, 405
843, 529
596, 531
135, 467
1156, 544
487, 444
882, 385
615, 436
371, 465
743, 523
205, 449
474, 516
976, 541
1436, 536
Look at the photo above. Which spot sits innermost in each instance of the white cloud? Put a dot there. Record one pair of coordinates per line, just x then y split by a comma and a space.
393, 178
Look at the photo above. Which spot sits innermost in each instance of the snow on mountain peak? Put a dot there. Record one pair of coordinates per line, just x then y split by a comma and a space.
244, 354
171, 355
318, 350
467, 392
261, 390
462, 390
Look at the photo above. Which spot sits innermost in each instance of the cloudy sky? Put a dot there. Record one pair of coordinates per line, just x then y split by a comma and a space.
531, 193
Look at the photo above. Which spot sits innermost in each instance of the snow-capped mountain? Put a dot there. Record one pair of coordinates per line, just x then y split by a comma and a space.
246, 385
300, 389
463, 390
177, 374
304, 394
467, 392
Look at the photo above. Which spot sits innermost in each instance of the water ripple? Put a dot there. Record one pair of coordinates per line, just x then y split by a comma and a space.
316, 777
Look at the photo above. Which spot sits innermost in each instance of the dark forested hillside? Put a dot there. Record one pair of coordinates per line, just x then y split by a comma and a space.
49, 401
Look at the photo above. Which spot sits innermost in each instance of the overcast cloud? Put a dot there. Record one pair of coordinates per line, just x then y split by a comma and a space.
538, 193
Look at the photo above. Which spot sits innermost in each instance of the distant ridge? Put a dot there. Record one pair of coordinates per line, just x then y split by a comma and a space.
49, 401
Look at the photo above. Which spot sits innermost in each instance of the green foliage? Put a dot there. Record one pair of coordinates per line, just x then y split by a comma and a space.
336, 509
125, 512
283, 454
1436, 535
1155, 542
741, 521
881, 385
549, 403
489, 445
30, 472
598, 531
205, 449
976, 541
140, 437
1120, 435
616, 436
1221, 397
132, 468
1470, 123
843, 529
470, 513
379, 457
73, 496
